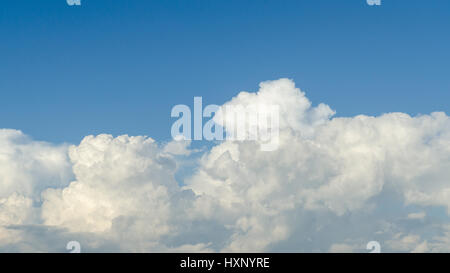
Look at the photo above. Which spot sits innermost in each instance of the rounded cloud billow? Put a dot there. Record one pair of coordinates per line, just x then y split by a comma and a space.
333, 184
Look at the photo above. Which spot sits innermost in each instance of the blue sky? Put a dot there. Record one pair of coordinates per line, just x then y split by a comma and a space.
119, 66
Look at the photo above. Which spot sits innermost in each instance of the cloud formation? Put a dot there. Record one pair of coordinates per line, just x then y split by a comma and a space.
333, 184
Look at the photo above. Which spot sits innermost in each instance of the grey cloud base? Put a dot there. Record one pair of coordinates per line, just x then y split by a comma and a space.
333, 184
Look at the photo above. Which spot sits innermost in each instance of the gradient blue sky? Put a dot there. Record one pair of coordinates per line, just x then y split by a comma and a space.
119, 66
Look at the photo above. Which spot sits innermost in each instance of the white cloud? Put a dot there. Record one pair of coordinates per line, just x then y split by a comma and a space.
342, 248
333, 184
408, 243
417, 215
14, 210
27, 167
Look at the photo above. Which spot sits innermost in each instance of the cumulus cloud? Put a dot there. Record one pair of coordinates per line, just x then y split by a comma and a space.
27, 167
333, 184
124, 188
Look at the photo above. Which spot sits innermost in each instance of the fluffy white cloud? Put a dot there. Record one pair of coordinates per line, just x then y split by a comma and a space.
333, 184
124, 188
338, 164
27, 167
14, 210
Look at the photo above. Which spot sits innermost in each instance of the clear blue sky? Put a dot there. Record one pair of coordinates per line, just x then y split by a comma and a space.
119, 66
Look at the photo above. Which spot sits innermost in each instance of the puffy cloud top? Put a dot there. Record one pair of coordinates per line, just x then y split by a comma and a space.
333, 184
